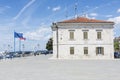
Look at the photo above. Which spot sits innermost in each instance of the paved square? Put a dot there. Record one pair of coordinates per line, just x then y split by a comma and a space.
42, 68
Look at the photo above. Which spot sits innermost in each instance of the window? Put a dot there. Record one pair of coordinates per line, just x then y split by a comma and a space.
85, 35
71, 50
86, 50
71, 35
99, 50
99, 36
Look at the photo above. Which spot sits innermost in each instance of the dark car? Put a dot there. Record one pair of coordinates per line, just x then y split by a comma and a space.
45, 52
37, 52
9, 55
27, 53
50, 51
17, 54
116, 55
1, 56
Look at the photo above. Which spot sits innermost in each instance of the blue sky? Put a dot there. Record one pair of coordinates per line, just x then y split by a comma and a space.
34, 17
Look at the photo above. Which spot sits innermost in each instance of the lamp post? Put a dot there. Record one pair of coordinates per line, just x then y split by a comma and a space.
56, 27
23, 46
38, 45
8, 48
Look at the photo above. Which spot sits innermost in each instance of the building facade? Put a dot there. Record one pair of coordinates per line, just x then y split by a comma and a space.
83, 38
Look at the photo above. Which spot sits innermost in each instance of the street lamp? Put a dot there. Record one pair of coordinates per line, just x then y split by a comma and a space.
38, 45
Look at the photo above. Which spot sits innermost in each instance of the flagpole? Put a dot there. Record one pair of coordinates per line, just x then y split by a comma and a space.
19, 45
20, 36
14, 40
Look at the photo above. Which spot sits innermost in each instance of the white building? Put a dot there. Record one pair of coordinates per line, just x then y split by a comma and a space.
83, 38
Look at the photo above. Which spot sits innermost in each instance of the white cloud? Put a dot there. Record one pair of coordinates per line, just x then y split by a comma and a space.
92, 17
118, 10
93, 14
116, 26
3, 9
48, 7
7, 7
56, 8
109, 15
43, 33
25, 21
23, 9
96, 7
115, 19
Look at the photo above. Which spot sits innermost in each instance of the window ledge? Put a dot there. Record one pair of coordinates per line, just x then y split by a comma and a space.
100, 54
85, 39
99, 39
86, 55
71, 39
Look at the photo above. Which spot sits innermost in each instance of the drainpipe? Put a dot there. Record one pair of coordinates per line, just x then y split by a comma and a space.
56, 27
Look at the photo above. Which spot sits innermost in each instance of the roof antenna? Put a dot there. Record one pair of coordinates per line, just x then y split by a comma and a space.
66, 12
84, 13
76, 15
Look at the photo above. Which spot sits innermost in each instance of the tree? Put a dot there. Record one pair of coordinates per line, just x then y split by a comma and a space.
49, 44
116, 46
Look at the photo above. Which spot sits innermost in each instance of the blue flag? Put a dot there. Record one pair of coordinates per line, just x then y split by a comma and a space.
18, 35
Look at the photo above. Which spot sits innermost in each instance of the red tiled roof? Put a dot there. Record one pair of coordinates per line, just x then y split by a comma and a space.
84, 20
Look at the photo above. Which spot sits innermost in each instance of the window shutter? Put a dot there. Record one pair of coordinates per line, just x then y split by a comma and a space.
99, 36
71, 50
96, 50
85, 50
72, 35
85, 35
102, 50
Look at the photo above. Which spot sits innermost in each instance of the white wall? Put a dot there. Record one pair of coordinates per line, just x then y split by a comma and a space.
78, 43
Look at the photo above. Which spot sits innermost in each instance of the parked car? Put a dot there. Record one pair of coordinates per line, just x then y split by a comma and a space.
41, 52
45, 52
1, 56
37, 52
17, 54
9, 55
116, 55
27, 53
50, 51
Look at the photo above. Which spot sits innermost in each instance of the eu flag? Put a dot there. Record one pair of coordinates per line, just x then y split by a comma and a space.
18, 35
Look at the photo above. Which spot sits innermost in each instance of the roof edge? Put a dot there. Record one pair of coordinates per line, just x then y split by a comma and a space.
84, 20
